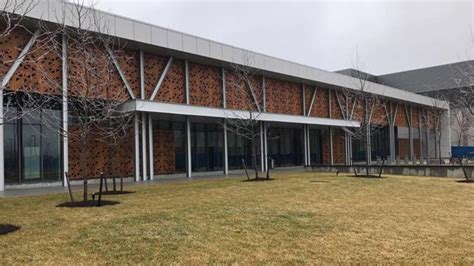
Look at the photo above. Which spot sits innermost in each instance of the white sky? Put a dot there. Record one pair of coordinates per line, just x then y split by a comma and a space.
390, 36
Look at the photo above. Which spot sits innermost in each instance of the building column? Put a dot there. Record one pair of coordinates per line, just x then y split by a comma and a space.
308, 135
265, 147
305, 144
226, 151
65, 140
410, 133
150, 147
144, 123
331, 153
348, 147
188, 148
391, 133
136, 135
262, 148
2, 168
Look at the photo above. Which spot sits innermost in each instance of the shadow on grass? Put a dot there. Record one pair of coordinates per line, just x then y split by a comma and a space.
87, 204
470, 181
111, 192
8, 228
258, 179
319, 181
367, 176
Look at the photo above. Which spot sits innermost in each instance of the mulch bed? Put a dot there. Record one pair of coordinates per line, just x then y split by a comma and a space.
8, 228
86, 204
258, 179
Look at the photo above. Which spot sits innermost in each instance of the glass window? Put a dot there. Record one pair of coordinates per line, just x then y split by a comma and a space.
207, 147
286, 146
11, 153
315, 140
31, 152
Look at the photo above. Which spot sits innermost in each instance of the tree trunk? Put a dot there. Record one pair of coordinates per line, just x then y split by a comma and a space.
254, 158
84, 168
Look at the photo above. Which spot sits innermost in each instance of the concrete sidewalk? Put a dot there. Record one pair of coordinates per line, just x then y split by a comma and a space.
76, 186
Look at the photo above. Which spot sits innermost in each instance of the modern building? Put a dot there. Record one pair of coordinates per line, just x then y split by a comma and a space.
449, 81
179, 88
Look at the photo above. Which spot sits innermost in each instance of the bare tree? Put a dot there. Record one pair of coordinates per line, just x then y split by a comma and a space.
242, 80
94, 103
362, 105
432, 119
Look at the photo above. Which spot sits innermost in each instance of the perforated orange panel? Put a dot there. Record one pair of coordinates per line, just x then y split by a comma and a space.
164, 152
205, 85
154, 66
238, 94
10, 48
39, 72
335, 107
95, 78
321, 108
283, 97
172, 89
415, 117
401, 119
338, 146
112, 160
129, 62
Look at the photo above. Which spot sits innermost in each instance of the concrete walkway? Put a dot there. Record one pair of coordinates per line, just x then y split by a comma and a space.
57, 188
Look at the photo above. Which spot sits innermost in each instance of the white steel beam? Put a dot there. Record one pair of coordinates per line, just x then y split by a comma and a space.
264, 92
142, 75
224, 90
144, 122
186, 82
191, 110
162, 78
137, 147
188, 148
150, 147
120, 72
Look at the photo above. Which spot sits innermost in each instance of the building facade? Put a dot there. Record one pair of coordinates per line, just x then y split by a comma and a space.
181, 91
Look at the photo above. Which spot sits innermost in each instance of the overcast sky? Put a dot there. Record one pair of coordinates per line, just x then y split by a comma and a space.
390, 36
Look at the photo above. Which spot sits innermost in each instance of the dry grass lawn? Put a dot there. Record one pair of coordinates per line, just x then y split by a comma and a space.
297, 218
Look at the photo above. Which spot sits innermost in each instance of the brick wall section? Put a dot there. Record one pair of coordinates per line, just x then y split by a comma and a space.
379, 116
30, 75
338, 146
326, 147
104, 80
11, 47
283, 97
416, 147
173, 88
415, 117
129, 62
116, 160
404, 148
164, 152
401, 119
335, 108
238, 95
308, 95
205, 85
321, 103
153, 69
